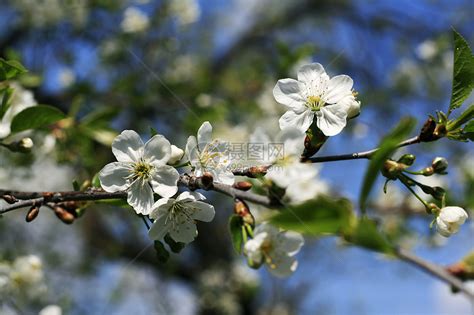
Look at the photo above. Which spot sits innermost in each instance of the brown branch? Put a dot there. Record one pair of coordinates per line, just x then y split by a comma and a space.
434, 270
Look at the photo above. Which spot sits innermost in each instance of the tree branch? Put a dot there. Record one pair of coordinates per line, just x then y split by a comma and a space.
434, 270
358, 155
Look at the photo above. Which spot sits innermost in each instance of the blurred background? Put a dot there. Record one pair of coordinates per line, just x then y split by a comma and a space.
171, 65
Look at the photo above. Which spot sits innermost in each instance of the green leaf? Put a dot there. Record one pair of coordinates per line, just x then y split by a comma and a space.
367, 235
161, 252
175, 247
320, 216
36, 117
76, 186
236, 232
153, 131
96, 181
463, 72
469, 127
387, 147
7, 96
9, 69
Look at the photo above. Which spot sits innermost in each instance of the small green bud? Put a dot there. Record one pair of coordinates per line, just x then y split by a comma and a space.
439, 165
428, 171
392, 169
407, 159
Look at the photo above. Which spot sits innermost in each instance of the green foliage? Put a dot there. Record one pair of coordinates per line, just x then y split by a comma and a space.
36, 117
236, 232
7, 95
387, 147
320, 216
9, 69
468, 130
366, 234
463, 72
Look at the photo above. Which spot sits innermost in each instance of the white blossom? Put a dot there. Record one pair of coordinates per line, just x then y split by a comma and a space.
51, 310
176, 155
21, 99
331, 100
450, 219
207, 155
187, 11
276, 249
177, 216
427, 50
134, 20
141, 170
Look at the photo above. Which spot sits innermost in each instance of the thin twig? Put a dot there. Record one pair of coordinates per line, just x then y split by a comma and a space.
434, 270
358, 155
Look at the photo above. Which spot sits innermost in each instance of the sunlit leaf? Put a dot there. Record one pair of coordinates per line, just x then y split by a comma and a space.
366, 234
320, 216
36, 117
9, 69
387, 147
236, 233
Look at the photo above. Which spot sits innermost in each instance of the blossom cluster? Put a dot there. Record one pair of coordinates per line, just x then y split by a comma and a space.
148, 172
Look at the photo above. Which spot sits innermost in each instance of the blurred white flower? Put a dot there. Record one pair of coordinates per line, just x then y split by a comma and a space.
66, 77
134, 20
27, 269
21, 99
186, 11
51, 310
426, 50
141, 170
450, 219
207, 155
275, 249
177, 216
314, 94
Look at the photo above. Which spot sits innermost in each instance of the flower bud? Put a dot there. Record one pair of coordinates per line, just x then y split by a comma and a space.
392, 169
243, 186
32, 213
176, 155
207, 180
9, 199
439, 165
428, 171
426, 134
242, 210
407, 159
64, 215
257, 171
450, 219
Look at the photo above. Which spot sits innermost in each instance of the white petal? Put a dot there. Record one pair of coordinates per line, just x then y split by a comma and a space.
331, 119
176, 155
202, 211
192, 150
140, 197
310, 73
184, 231
259, 136
252, 250
160, 207
351, 104
204, 135
157, 150
269, 230
127, 146
339, 87
293, 140
289, 92
443, 228
159, 229
300, 121
225, 177
453, 215
113, 177
188, 196
282, 266
290, 242
165, 181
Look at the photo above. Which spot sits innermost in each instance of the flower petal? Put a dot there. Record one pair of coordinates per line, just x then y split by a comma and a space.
293, 141
113, 177
140, 197
270, 230
204, 135
192, 151
331, 119
165, 181
202, 211
290, 242
310, 73
282, 266
339, 87
184, 230
224, 176
160, 207
127, 146
157, 150
300, 121
159, 229
289, 92
188, 196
